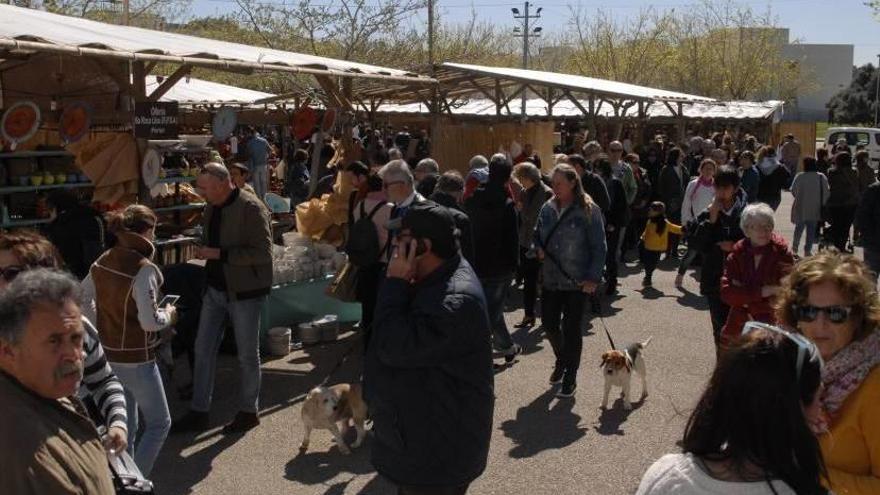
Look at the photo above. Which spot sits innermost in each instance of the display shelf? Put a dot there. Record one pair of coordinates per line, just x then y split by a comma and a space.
66, 185
191, 206
176, 180
34, 154
24, 223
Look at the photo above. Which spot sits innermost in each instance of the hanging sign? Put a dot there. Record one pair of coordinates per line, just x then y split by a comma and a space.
224, 123
156, 120
302, 122
75, 121
20, 122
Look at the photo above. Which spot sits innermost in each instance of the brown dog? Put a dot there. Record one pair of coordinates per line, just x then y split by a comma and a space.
326, 407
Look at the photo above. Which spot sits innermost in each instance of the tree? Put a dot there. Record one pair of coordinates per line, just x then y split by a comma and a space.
857, 103
716, 48
152, 14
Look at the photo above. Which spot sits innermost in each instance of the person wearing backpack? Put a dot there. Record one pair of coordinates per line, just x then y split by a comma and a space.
367, 243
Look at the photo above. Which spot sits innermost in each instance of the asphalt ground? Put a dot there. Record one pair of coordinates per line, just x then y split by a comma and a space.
540, 444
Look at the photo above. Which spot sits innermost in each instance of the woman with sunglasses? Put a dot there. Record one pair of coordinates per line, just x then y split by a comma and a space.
831, 299
751, 430
24, 250
122, 291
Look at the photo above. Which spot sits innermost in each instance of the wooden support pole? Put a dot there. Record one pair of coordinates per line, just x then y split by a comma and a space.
169, 82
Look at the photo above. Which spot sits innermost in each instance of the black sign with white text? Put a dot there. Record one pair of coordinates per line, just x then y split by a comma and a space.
156, 120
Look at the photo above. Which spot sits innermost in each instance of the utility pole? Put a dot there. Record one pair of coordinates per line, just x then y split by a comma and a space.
431, 37
125, 13
525, 33
877, 94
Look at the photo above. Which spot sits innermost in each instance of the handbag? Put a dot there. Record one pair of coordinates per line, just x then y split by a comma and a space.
127, 478
344, 285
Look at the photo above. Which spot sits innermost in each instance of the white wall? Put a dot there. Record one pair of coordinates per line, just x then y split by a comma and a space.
831, 66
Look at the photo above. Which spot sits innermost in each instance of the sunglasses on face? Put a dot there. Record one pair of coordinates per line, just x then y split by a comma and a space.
835, 314
10, 272
806, 349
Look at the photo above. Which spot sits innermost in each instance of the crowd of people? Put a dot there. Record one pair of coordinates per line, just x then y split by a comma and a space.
437, 253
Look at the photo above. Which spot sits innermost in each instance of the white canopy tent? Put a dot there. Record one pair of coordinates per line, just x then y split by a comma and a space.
23, 29
191, 91
536, 107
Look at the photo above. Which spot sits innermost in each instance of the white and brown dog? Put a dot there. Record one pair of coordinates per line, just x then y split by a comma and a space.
326, 407
617, 367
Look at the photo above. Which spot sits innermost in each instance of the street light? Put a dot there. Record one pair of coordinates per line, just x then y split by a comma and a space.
538, 29
539, 10
515, 11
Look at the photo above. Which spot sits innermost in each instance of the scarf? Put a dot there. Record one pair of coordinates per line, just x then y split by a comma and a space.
707, 183
844, 373
768, 165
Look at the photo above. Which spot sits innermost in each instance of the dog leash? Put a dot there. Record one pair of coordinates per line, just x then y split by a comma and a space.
607, 333
341, 361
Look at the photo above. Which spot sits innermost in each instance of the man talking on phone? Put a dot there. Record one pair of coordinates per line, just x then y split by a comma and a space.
428, 371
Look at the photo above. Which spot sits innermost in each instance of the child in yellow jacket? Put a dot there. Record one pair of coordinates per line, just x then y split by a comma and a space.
655, 239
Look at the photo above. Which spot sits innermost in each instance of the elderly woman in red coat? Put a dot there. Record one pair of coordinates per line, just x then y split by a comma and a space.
753, 271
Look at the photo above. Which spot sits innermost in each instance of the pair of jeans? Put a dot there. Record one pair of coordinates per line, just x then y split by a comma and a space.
872, 259
495, 289
687, 259
562, 313
612, 240
432, 490
367, 291
245, 317
144, 392
718, 312
841, 219
260, 180
811, 236
649, 259
529, 268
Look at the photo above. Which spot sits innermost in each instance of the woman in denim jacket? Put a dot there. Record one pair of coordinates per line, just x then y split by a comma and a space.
574, 254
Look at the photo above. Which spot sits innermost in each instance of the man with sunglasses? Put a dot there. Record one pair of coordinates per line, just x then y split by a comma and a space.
399, 184
428, 371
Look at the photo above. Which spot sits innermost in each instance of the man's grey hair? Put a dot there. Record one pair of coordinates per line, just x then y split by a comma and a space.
395, 154
591, 148
527, 170
450, 182
396, 170
479, 161
216, 170
428, 165
708, 146
757, 214
29, 290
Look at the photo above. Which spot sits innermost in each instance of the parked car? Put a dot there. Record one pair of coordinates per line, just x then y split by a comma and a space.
854, 136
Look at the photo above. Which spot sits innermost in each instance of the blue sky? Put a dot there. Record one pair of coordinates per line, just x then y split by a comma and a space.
810, 21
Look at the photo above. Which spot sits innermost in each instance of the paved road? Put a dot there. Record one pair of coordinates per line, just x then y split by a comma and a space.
540, 445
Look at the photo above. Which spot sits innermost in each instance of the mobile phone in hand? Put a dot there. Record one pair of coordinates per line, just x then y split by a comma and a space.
168, 299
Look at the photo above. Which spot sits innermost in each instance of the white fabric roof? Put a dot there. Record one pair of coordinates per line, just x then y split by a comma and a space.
192, 91
19, 23
577, 83
536, 107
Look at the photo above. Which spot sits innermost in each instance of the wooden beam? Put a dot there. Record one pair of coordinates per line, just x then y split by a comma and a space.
332, 90
169, 82
498, 97
150, 66
577, 103
672, 110
483, 90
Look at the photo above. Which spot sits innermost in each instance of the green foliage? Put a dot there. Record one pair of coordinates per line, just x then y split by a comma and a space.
858, 102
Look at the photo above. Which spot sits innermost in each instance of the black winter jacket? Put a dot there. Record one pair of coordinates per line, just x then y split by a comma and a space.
706, 239
595, 187
495, 229
868, 217
462, 223
618, 214
428, 378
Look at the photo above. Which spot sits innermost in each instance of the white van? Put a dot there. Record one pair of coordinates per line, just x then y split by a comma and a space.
854, 136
